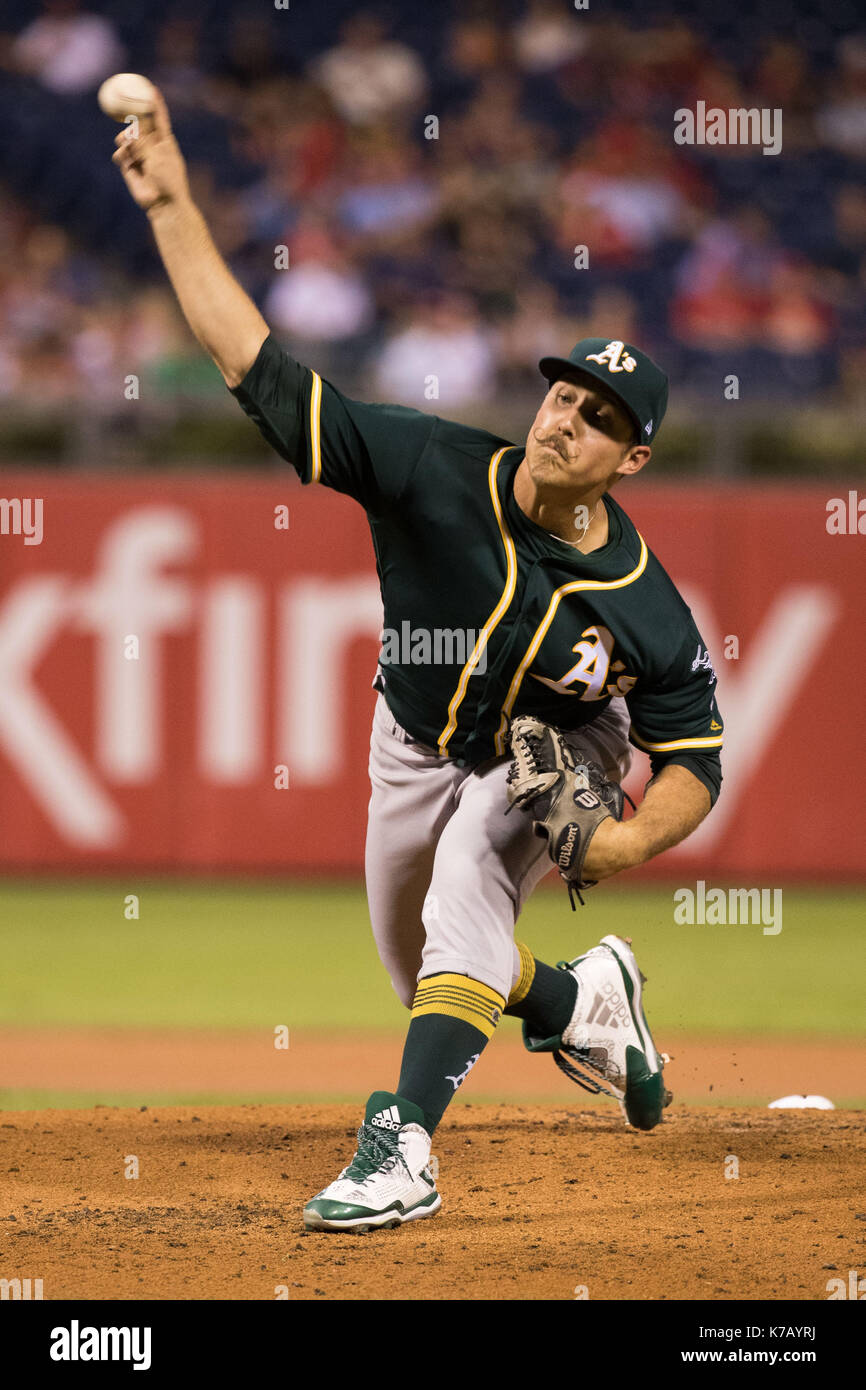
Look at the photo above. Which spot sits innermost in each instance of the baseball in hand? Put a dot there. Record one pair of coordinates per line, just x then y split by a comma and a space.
128, 94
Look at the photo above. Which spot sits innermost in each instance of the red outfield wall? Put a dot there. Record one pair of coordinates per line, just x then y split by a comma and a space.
257, 646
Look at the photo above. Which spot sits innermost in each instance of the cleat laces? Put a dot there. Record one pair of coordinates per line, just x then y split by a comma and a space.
378, 1151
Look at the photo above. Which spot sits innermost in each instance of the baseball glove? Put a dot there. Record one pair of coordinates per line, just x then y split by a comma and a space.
566, 793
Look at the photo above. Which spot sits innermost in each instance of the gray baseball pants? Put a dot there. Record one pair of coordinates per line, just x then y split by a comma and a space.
447, 871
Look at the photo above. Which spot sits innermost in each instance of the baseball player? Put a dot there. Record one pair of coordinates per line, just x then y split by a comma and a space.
490, 761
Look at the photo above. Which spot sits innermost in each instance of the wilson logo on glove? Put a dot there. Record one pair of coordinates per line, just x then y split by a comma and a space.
564, 858
586, 799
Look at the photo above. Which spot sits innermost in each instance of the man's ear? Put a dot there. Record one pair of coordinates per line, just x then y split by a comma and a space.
635, 459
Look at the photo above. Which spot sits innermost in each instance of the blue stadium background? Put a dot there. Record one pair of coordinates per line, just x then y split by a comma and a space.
744, 263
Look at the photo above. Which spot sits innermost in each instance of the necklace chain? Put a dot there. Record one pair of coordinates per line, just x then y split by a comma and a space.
582, 535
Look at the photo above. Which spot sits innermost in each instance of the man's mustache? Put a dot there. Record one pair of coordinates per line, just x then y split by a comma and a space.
552, 444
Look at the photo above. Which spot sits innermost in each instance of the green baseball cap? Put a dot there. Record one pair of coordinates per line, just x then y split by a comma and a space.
633, 378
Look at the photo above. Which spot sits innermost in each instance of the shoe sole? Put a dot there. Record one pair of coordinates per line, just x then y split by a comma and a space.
645, 1095
388, 1221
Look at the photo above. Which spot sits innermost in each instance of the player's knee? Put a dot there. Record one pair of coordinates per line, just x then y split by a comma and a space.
460, 881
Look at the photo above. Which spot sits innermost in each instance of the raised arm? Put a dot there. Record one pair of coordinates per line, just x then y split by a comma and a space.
220, 313
367, 451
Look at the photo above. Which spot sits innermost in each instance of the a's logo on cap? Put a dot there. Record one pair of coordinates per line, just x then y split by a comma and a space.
648, 428
613, 358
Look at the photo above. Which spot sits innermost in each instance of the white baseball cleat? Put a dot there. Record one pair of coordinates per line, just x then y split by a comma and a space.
607, 1045
388, 1181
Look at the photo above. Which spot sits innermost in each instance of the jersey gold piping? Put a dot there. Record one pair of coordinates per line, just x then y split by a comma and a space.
676, 743
501, 607
316, 429
573, 587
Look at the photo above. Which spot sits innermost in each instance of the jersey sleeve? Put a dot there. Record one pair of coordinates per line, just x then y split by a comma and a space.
365, 450
677, 719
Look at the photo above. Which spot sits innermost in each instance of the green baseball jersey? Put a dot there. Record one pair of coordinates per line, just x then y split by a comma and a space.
486, 615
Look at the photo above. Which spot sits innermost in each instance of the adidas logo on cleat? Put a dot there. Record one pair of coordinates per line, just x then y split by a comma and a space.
388, 1119
609, 1009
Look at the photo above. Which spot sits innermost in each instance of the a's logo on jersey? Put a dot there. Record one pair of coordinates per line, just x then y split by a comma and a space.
592, 670
702, 662
614, 357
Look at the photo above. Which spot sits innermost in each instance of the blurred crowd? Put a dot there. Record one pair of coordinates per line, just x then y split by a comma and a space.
428, 180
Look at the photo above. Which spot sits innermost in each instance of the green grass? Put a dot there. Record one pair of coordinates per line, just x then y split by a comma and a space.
560, 1097
241, 956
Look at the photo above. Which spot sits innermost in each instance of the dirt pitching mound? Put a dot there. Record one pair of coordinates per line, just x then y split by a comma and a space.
537, 1203
172, 1066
